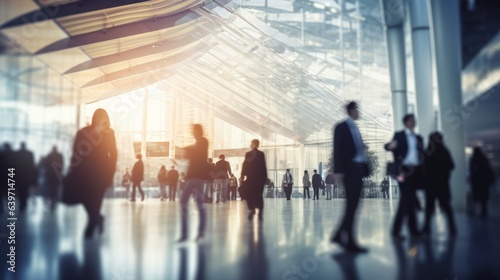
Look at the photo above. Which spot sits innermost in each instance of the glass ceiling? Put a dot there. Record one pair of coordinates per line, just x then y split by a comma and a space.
285, 68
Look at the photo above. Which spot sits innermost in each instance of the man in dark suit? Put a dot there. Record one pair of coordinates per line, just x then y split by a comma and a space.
350, 164
408, 151
26, 174
255, 170
53, 175
222, 172
137, 177
172, 180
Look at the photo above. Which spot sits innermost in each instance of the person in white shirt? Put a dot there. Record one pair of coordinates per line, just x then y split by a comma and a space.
288, 184
408, 151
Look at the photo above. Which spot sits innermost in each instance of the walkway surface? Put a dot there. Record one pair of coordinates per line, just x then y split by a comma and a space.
291, 243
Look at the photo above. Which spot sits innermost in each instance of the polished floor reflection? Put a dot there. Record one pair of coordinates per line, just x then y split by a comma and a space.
291, 243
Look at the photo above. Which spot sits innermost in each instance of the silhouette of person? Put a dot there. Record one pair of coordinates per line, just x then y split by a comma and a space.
306, 183
317, 183
222, 171
126, 182
350, 164
287, 184
209, 184
254, 172
26, 174
197, 174
408, 150
53, 165
172, 179
233, 186
438, 167
481, 178
182, 182
7, 161
329, 182
94, 163
162, 180
384, 188
137, 177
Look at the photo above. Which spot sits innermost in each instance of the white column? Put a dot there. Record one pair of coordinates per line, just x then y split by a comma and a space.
144, 127
445, 27
422, 63
393, 14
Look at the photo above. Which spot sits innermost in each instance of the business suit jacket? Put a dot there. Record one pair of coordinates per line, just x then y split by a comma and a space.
400, 152
316, 181
254, 168
344, 149
138, 172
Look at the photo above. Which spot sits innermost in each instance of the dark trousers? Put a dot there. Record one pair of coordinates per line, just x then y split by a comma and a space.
232, 193
444, 203
92, 204
172, 189
288, 190
194, 187
256, 199
306, 190
316, 193
353, 181
407, 201
134, 186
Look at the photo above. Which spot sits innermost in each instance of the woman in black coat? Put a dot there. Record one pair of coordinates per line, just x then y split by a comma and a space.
481, 179
438, 167
93, 165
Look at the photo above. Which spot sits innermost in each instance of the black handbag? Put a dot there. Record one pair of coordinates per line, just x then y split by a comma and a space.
243, 190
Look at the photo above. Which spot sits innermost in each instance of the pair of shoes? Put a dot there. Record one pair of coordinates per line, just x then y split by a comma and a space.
398, 236
250, 215
336, 239
288, 199
260, 217
314, 198
89, 231
142, 199
132, 200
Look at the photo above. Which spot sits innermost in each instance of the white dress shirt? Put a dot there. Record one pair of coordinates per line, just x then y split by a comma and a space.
411, 158
360, 156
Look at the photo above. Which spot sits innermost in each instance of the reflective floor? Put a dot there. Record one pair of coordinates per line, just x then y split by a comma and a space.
291, 243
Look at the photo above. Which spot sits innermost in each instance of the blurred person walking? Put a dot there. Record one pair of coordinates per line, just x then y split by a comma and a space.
126, 182
26, 174
287, 184
222, 171
137, 177
198, 172
53, 167
254, 176
329, 181
481, 179
438, 167
384, 188
350, 165
93, 164
233, 186
317, 183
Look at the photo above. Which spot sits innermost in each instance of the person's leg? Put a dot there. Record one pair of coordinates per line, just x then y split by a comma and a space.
484, 208
445, 205
430, 202
198, 193
141, 191
305, 192
401, 212
186, 193
259, 203
353, 182
134, 185
412, 215
174, 192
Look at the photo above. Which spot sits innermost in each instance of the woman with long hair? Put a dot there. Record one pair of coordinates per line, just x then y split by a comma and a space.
94, 163
162, 180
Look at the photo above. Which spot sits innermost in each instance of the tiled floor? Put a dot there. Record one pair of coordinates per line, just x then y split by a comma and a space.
291, 243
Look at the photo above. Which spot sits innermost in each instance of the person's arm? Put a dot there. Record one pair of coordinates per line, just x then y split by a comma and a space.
393, 145
229, 169
338, 153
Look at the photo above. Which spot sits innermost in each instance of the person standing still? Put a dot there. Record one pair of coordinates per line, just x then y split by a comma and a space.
162, 180
137, 177
317, 183
384, 188
126, 182
222, 172
329, 181
288, 184
306, 183
172, 180
254, 171
350, 165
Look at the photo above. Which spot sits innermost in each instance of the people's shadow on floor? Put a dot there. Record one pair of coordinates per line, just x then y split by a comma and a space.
347, 264
90, 268
254, 264
198, 250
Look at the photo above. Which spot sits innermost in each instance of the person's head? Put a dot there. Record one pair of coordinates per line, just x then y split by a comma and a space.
54, 149
409, 121
138, 156
254, 144
163, 167
210, 160
305, 172
287, 170
23, 146
222, 157
100, 120
172, 167
436, 138
477, 152
197, 131
352, 110
315, 171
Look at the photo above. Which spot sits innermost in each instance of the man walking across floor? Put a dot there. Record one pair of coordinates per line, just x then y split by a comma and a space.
408, 151
288, 184
222, 172
350, 164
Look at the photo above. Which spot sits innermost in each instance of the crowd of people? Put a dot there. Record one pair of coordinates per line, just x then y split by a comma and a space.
94, 157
